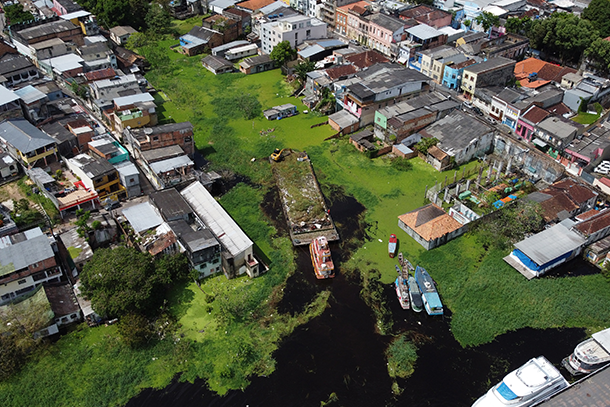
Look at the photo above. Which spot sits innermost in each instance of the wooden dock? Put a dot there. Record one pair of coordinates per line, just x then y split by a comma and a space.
302, 200
405, 265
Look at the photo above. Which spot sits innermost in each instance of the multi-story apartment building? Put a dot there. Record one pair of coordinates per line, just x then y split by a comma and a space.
494, 71
294, 29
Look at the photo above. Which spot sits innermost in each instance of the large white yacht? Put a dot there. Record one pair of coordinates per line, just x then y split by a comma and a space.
533, 382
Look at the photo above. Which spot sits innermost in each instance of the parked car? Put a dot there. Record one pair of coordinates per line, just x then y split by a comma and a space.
492, 120
468, 104
477, 111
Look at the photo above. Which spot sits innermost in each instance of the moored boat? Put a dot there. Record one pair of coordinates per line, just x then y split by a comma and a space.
414, 295
392, 245
321, 258
533, 382
430, 297
589, 355
402, 292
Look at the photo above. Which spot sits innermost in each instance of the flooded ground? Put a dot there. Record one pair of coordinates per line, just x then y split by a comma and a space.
338, 358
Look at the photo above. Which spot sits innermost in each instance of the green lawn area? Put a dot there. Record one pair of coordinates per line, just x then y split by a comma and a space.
585, 118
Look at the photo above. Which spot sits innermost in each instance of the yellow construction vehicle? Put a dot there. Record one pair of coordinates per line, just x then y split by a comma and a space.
278, 154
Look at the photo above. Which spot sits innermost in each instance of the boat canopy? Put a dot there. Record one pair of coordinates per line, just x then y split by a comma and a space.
434, 300
506, 392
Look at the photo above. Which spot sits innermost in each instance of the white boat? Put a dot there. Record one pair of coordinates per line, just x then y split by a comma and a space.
590, 355
533, 382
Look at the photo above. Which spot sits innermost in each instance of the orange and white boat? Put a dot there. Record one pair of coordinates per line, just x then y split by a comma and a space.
321, 258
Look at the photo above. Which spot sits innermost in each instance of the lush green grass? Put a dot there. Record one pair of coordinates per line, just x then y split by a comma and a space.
74, 251
184, 26
91, 367
487, 297
585, 118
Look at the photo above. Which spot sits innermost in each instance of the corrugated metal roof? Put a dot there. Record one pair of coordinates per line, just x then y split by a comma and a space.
217, 219
29, 94
171, 164
22, 135
550, 244
131, 99
64, 63
7, 96
16, 256
311, 51
142, 217
424, 32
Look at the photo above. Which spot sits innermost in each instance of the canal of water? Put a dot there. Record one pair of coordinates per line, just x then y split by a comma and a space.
338, 358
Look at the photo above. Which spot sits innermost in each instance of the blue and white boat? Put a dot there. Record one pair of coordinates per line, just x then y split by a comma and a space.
533, 382
430, 297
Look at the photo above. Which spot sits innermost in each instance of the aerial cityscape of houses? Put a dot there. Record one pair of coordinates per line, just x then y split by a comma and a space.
74, 101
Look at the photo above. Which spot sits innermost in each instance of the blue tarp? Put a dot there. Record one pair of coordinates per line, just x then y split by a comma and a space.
506, 392
531, 264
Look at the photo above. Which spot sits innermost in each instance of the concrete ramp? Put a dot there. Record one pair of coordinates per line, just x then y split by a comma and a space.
517, 265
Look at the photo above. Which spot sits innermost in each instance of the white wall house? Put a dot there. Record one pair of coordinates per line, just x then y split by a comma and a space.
294, 29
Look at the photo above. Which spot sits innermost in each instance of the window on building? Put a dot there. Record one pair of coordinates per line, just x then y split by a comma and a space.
22, 281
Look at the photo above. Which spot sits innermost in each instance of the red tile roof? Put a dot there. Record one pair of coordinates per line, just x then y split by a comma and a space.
577, 192
366, 59
340, 71
594, 224
605, 181
536, 115
254, 4
100, 74
559, 109
361, 5
430, 222
588, 214
552, 207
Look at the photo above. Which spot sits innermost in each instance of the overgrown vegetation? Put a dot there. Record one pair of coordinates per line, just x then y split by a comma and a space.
511, 225
425, 143
401, 355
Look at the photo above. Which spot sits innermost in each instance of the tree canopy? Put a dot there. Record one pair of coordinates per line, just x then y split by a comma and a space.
123, 280
599, 54
15, 14
487, 20
303, 68
563, 35
282, 53
518, 25
111, 13
598, 13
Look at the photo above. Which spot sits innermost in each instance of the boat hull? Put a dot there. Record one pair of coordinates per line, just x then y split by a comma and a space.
429, 294
402, 293
392, 249
320, 274
415, 295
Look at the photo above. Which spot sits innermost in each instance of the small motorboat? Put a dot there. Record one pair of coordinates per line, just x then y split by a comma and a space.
402, 292
392, 245
415, 295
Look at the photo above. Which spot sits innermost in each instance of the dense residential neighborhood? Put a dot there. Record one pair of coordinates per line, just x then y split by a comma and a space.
155, 158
